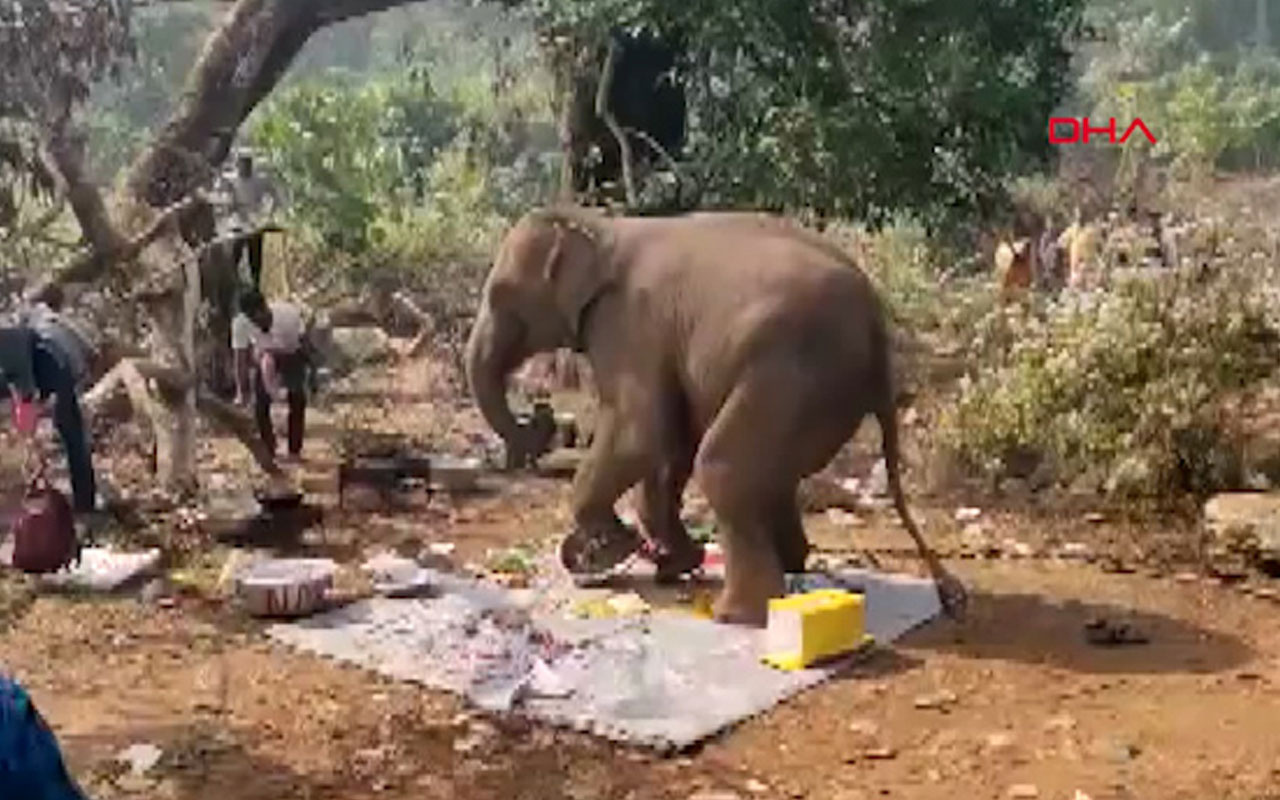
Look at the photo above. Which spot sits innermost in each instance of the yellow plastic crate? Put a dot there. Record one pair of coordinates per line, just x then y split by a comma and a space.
810, 627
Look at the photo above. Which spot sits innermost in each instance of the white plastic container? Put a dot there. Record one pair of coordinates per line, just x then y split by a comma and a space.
285, 587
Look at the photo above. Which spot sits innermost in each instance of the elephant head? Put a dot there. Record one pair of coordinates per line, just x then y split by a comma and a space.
552, 265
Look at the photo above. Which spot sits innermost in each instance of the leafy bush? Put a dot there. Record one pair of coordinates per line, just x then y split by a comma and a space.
901, 260
1128, 384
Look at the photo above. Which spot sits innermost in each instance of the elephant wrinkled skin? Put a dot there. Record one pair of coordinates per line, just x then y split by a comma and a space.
736, 347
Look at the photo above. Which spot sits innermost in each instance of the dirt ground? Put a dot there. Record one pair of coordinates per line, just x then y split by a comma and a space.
1014, 702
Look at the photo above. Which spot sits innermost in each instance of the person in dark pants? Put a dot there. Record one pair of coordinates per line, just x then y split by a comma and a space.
276, 337
34, 366
252, 197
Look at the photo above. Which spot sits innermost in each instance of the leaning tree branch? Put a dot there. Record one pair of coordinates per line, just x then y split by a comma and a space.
241, 63
63, 149
93, 263
602, 110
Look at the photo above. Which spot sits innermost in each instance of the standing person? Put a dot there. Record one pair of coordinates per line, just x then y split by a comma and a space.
276, 335
248, 196
43, 357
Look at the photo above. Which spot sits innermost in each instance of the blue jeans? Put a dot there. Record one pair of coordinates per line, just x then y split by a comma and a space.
54, 378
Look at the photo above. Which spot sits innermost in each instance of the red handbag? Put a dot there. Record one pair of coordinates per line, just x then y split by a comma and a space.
44, 532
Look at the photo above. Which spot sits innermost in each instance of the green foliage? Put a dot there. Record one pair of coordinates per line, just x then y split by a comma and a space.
856, 113
1103, 382
901, 259
1194, 71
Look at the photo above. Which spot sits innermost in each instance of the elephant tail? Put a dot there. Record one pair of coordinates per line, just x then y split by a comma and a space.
886, 413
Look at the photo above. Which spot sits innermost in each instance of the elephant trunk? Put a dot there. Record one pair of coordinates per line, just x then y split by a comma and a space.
492, 354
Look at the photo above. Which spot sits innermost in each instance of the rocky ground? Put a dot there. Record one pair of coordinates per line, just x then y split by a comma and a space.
1015, 702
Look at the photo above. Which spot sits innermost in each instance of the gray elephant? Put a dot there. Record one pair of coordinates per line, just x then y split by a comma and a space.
738, 347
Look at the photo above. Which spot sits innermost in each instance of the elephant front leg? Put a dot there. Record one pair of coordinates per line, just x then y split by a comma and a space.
659, 512
618, 459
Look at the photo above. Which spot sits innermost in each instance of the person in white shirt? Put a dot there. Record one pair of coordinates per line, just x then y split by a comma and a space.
268, 341
251, 199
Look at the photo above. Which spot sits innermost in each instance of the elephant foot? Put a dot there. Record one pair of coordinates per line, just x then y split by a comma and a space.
677, 563
598, 549
752, 615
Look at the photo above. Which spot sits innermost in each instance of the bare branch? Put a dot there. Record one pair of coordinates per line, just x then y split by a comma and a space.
602, 111
63, 148
241, 63
91, 264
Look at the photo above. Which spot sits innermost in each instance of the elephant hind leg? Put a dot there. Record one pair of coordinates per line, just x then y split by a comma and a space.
741, 466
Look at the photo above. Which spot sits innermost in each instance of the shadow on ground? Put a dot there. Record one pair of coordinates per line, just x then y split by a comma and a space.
1032, 629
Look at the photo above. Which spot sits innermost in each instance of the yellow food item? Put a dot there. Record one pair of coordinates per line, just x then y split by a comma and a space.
806, 628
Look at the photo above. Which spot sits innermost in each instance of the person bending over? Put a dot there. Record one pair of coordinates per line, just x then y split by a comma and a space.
275, 342
42, 359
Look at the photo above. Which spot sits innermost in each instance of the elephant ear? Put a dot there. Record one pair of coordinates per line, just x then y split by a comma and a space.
578, 267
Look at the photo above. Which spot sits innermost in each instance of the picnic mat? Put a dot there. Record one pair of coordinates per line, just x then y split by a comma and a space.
666, 680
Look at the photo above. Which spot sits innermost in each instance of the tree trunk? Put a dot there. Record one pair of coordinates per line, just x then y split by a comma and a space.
241, 63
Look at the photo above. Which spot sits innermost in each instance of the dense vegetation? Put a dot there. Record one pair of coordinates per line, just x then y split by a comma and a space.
407, 140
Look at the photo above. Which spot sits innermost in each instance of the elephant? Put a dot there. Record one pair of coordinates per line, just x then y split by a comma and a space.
739, 348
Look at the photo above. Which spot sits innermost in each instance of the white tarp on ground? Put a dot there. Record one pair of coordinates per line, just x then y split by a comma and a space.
667, 680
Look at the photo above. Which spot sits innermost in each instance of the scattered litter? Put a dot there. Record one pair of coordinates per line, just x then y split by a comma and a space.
104, 570
839, 516
865, 728
1116, 752
1062, 722
1017, 549
1074, 550
1095, 517
1104, 633
396, 576
655, 681
141, 758
877, 480
1024, 791
629, 604
999, 742
441, 548
939, 700
880, 754
968, 514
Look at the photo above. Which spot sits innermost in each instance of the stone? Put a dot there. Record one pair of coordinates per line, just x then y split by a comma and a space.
938, 700
1243, 524
1024, 791
1000, 742
865, 728
756, 787
1114, 751
882, 753
361, 345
